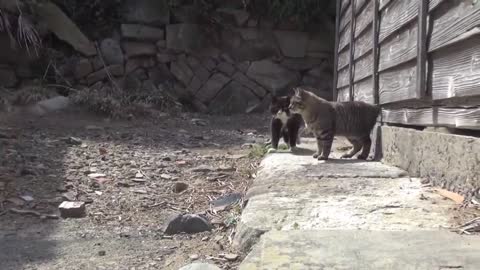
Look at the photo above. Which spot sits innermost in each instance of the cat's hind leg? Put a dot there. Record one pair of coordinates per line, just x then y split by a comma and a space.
276, 129
357, 146
367, 144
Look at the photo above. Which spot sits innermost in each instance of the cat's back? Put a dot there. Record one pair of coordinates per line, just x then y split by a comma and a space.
355, 116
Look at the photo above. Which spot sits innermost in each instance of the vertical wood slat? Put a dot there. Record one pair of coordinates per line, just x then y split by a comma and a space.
422, 49
337, 41
376, 49
352, 49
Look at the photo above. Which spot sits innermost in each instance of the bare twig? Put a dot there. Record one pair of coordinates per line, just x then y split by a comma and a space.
110, 78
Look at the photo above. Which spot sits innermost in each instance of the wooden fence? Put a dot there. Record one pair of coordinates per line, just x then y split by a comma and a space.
419, 59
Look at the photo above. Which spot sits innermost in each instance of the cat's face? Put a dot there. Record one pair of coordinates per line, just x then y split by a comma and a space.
279, 105
297, 102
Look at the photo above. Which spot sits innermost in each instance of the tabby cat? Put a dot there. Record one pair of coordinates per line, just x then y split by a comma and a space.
353, 120
284, 123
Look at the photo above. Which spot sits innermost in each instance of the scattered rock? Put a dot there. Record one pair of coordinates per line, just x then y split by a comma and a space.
200, 266
292, 43
135, 48
27, 198
73, 141
154, 12
140, 191
69, 196
166, 176
230, 256
212, 87
226, 68
188, 223
72, 209
141, 32
82, 68
102, 74
245, 81
96, 175
194, 257
180, 187
102, 253
226, 201
182, 72
199, 122
272, 76
112, 52
202, 168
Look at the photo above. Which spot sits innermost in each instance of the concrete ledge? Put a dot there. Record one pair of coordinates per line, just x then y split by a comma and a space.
352, 249
449, 161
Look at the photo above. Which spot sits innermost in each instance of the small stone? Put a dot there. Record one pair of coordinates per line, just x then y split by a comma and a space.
194, 257
140, 191
202, 168
205, 238
138, 175
69, 196
102, 253
188, 223
179, 187
166, 176
96, 175
73, 141
199, 122
83, 68
142, 32
27, 198
200, 266
72, 209
231, 256
133, 49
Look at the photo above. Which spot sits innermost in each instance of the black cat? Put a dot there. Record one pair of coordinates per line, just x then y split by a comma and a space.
284, 123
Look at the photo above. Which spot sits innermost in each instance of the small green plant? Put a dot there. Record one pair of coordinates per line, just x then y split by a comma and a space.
258, 151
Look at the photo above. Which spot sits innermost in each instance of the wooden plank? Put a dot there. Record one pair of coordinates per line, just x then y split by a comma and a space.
399, 48
384, 3
345, 18
398, 84
343, 94
338, 8
360, 5
352, 49
364, 43
343, 59
364, 67
344, 5
376, 51
343, 78
456, 70
363, 90
453, 19
462, 118
398, 14
422, 49
344, 38
364, 19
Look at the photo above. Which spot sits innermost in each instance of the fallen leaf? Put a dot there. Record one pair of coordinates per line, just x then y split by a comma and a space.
457, 198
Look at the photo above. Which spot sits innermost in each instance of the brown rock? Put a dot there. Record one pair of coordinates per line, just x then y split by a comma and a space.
194, 85
165, 58
115, 70
245, 81
142, 32
133, 49
211, 88
111, 51
83, 68
72, 209
182, 72
226, 68
139, 62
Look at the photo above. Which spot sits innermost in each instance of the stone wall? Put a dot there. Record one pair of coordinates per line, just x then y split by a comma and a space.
447, 160
230, 69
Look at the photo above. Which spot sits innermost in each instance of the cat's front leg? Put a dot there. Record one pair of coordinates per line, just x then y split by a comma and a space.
326, 139
276, 130
319, 148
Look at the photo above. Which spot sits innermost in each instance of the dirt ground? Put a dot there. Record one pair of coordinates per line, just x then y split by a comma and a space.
128, 173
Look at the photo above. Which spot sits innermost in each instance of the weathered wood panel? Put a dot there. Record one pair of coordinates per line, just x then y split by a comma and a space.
363, 90
345, 18
343, 94
364, 19
344, 5
364, 43
456, 70
399, 48
398, 83
453, 19
464, 118
384, 3
360, 4
344, 38
343, 78
343, 59
363, 67
398, 14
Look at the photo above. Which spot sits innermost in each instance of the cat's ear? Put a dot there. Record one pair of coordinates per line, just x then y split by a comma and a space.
296, 91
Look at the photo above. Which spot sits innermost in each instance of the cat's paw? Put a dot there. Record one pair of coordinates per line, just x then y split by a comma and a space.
322, 158
362, 157
271, 150
293, 149
346, 156
316, 155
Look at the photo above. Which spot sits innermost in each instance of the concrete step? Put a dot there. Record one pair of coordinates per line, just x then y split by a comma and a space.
362, 250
